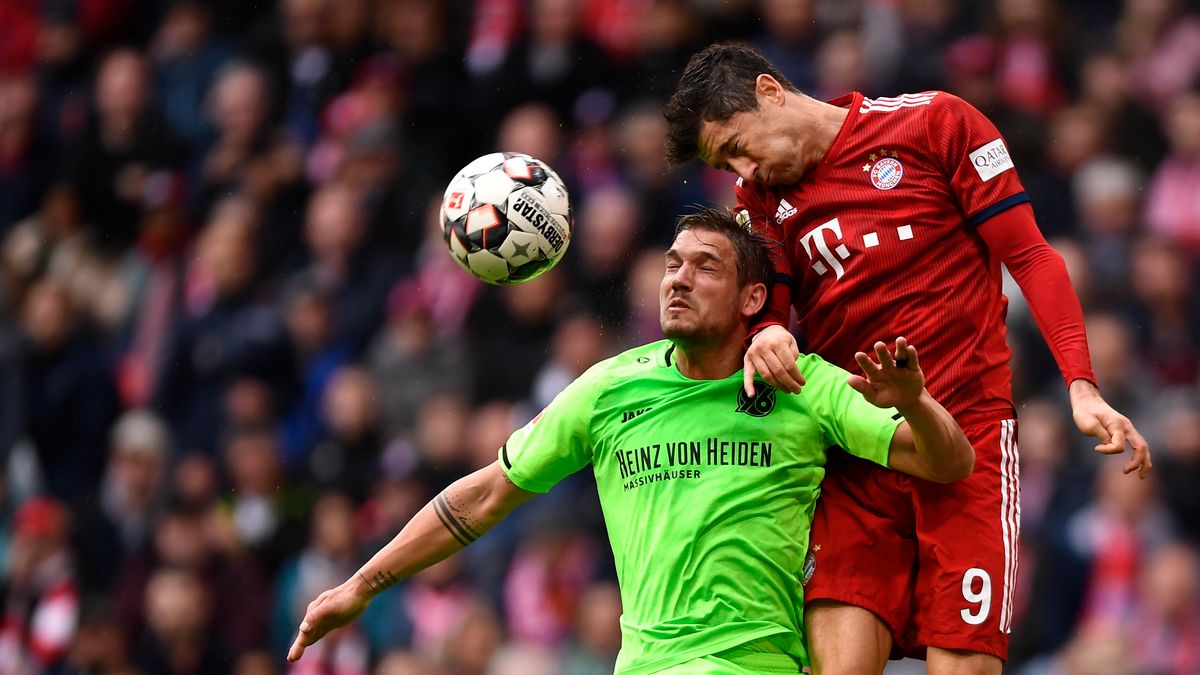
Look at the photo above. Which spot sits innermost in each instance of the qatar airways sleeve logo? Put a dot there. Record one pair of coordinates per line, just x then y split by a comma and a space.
814, 240
991, 160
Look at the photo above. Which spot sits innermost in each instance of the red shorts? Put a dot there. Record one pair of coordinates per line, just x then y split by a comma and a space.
936, 562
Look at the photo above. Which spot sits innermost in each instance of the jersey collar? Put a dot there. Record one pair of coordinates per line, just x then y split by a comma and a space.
852, 101
667, 359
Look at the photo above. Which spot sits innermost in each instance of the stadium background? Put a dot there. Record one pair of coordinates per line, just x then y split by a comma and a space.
235, 357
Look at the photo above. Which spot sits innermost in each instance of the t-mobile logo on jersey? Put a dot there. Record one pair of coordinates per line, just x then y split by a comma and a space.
830, 258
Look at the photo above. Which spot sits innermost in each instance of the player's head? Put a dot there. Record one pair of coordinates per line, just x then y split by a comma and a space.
730, 110
715, 281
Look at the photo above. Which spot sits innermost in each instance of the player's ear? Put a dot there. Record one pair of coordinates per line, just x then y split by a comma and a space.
768, 89
754, 297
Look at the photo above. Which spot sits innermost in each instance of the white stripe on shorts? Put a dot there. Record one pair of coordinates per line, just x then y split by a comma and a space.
1010, 517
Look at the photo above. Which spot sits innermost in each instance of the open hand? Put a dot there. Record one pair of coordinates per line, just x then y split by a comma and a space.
895, 380
1095, 417
772, 355
332, 609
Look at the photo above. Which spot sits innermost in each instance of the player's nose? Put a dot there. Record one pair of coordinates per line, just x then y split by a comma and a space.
679, 279
744, 168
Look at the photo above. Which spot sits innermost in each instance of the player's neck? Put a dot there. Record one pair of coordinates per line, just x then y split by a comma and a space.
712, 361
820, 123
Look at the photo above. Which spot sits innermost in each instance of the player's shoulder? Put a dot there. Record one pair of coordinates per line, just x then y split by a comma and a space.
821, 375
946, 103
815, 363
931, 103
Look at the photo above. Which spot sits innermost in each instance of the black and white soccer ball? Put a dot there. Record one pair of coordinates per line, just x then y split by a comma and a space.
506, 218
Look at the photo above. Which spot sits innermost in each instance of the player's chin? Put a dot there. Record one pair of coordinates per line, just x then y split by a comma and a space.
780, 177
674, 328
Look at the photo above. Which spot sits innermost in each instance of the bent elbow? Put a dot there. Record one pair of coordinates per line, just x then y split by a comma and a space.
959, 469
966, 467
963, 467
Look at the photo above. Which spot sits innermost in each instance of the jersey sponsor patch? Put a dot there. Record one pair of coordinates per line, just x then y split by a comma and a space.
991, 160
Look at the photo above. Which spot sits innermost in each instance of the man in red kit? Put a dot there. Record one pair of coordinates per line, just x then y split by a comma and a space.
892, 217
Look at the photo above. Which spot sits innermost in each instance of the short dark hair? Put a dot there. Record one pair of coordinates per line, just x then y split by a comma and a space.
717, 83
753, 259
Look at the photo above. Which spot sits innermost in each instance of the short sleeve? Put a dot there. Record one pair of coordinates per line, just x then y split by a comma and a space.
750, 212
557, 442
975, 159
844, 416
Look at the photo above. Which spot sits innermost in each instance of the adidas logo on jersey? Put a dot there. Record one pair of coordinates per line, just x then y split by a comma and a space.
784, 211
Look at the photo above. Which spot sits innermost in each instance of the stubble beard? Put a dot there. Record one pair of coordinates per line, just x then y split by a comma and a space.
693, 333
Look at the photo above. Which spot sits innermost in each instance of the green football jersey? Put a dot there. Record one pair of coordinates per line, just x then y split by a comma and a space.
707, 494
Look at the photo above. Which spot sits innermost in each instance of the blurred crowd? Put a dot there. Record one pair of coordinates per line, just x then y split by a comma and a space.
235, 356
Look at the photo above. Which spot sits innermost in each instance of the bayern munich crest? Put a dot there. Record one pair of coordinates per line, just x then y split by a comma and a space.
886, 173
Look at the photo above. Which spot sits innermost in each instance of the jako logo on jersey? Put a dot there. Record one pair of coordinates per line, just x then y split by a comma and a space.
630, 414
886, 173
991, 160
761, 405
784, 211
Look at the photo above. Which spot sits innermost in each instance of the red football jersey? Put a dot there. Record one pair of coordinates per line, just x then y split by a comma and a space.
879, 241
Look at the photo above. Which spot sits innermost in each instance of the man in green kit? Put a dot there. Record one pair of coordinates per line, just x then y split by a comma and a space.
707, 494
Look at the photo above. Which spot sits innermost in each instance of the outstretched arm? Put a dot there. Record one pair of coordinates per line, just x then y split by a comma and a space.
1013, 235
458, 516
929, 444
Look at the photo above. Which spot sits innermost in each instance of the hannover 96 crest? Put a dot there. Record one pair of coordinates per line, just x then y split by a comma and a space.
761, 405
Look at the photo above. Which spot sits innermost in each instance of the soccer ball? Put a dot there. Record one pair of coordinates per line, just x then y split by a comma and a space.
506, 218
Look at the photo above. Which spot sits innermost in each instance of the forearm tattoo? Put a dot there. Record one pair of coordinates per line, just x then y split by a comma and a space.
456, 518
380, 581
